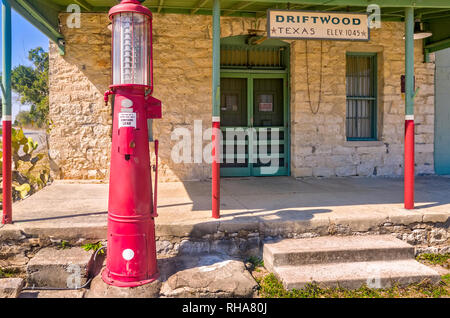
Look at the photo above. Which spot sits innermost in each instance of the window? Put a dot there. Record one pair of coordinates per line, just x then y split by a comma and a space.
252, 57
361, 119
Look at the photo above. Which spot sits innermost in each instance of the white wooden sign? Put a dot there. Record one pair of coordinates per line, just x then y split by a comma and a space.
287, 24
127, 120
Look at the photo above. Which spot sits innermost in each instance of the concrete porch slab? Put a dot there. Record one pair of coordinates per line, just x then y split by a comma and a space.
268, 206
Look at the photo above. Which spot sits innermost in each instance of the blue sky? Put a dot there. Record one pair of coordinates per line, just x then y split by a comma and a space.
24, 38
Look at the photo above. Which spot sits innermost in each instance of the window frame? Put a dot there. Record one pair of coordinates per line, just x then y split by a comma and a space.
374, 119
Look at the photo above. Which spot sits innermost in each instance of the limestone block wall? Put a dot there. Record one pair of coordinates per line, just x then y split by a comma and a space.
81, 135
319, 145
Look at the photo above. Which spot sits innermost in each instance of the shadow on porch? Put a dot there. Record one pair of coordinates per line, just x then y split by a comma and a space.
270, 206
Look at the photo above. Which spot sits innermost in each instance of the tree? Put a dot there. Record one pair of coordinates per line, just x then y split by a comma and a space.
23, 119
31, 83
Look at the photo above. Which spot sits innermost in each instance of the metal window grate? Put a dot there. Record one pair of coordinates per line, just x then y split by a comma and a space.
361, 97
233, 56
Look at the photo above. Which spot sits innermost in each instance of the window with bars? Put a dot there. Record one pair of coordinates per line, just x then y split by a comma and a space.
361, 119
252, 57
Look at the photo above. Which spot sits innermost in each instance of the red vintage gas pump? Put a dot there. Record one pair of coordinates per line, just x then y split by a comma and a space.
131, 257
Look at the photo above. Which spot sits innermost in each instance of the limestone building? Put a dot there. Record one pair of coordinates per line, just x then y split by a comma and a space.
338, 105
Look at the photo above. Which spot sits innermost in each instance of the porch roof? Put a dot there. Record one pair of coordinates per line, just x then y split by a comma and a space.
44, 13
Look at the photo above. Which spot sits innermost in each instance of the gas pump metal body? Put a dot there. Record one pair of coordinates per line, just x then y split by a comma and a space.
131, 250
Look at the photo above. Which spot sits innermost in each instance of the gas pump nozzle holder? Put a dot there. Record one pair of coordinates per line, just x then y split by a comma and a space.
131, 254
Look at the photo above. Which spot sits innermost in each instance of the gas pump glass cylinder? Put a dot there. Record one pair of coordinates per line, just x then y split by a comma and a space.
132, 49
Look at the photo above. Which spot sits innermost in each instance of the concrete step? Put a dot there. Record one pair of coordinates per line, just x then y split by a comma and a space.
378, 261
375, 274
335, 249
60, 268
11, 287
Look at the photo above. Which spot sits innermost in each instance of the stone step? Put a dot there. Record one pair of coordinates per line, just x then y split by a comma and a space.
59, 268
375, 274
335, 249
11, 287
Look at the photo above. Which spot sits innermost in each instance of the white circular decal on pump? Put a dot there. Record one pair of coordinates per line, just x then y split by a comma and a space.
128, 254
127, 103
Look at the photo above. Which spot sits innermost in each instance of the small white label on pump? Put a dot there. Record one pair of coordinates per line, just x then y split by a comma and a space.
128, 254
127, 120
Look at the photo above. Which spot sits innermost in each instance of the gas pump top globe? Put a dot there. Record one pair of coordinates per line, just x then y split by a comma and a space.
132, 44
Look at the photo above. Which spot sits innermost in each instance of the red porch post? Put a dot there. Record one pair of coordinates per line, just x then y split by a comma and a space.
409, 109
6, 111
216, 113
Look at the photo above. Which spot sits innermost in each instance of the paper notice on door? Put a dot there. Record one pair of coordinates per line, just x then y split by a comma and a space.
127, 120
265, 107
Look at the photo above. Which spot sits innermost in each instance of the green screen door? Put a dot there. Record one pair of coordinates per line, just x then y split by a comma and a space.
254, 125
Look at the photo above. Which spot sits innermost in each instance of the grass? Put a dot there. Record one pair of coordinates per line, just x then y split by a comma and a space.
435, 259
64, 245
271, 287
446, 279
8, 273
94, 247
256, 261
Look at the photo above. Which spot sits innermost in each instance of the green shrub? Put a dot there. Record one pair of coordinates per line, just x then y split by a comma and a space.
437, 259
255, 261
94, 247
271, 287
27, 176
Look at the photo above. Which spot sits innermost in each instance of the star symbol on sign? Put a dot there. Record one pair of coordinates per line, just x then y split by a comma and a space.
274, 30
364, 33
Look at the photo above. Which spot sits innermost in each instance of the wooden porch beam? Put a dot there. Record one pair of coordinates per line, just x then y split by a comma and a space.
86, 6
238, 7
35, 17
436, 46
198, 6
360, 3
161, 3
422, 12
